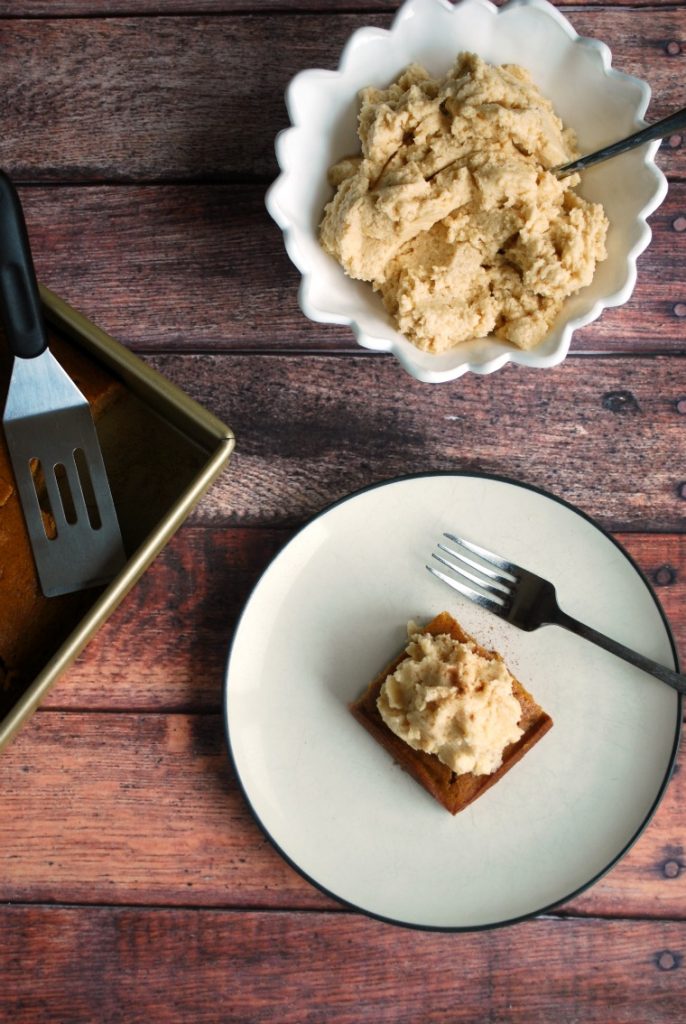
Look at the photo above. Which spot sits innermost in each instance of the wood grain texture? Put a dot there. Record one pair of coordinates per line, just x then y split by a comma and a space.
202, 97
205, 268
134, 809
303, 969
143, 133
145, 809
166, 646
194, 593
605, 434
110, 8
119, 8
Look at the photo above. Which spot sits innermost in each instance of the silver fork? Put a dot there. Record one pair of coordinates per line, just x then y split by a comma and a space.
526, 600
659, 130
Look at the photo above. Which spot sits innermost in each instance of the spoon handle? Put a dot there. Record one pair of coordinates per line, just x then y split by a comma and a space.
673, 123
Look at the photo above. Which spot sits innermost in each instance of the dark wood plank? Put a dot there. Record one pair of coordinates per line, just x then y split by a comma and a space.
130, 808
161, 966
205, 268
194, 593
310, 429
663, 560
145, 809
189, 97
165, 648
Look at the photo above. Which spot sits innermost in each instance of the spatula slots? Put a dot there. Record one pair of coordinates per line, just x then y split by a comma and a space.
51, 437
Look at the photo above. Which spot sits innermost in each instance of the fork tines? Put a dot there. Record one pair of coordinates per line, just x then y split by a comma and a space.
495, 579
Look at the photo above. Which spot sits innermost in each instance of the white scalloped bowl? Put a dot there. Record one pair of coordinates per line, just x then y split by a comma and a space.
598, 102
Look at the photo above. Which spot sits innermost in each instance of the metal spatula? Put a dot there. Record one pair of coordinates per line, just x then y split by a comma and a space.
53, 446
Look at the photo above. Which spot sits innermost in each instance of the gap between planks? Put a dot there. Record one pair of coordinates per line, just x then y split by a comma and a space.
345, 353
249, 11
334, 912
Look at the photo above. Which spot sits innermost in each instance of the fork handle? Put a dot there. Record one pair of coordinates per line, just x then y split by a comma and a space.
20, 306
658, 130
666, 675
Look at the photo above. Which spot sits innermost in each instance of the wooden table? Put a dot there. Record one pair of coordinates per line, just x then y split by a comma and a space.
135, 884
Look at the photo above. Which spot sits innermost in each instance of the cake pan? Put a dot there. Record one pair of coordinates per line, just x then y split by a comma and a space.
162, 451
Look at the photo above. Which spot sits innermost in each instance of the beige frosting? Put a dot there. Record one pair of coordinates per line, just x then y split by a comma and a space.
447, 700
451, 213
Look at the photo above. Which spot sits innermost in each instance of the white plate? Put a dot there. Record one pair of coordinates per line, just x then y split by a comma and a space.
330, 612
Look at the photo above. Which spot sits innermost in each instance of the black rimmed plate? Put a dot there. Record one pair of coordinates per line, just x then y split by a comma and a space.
330, 612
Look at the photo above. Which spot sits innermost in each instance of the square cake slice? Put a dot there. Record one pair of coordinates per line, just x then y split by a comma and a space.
455, 791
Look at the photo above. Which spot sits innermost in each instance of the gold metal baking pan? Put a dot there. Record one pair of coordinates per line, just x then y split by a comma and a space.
162, 451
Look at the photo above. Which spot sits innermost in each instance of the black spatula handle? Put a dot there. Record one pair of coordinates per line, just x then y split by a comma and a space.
20, 306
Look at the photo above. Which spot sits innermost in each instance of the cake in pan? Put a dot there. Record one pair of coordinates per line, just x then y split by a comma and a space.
32, 627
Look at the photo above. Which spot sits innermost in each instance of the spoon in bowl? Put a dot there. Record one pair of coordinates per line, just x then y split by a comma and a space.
659, 130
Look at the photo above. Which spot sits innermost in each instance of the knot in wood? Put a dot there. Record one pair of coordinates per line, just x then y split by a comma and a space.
671, 869
673, 47
666, 960
664, 576
680, 309
620, 401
